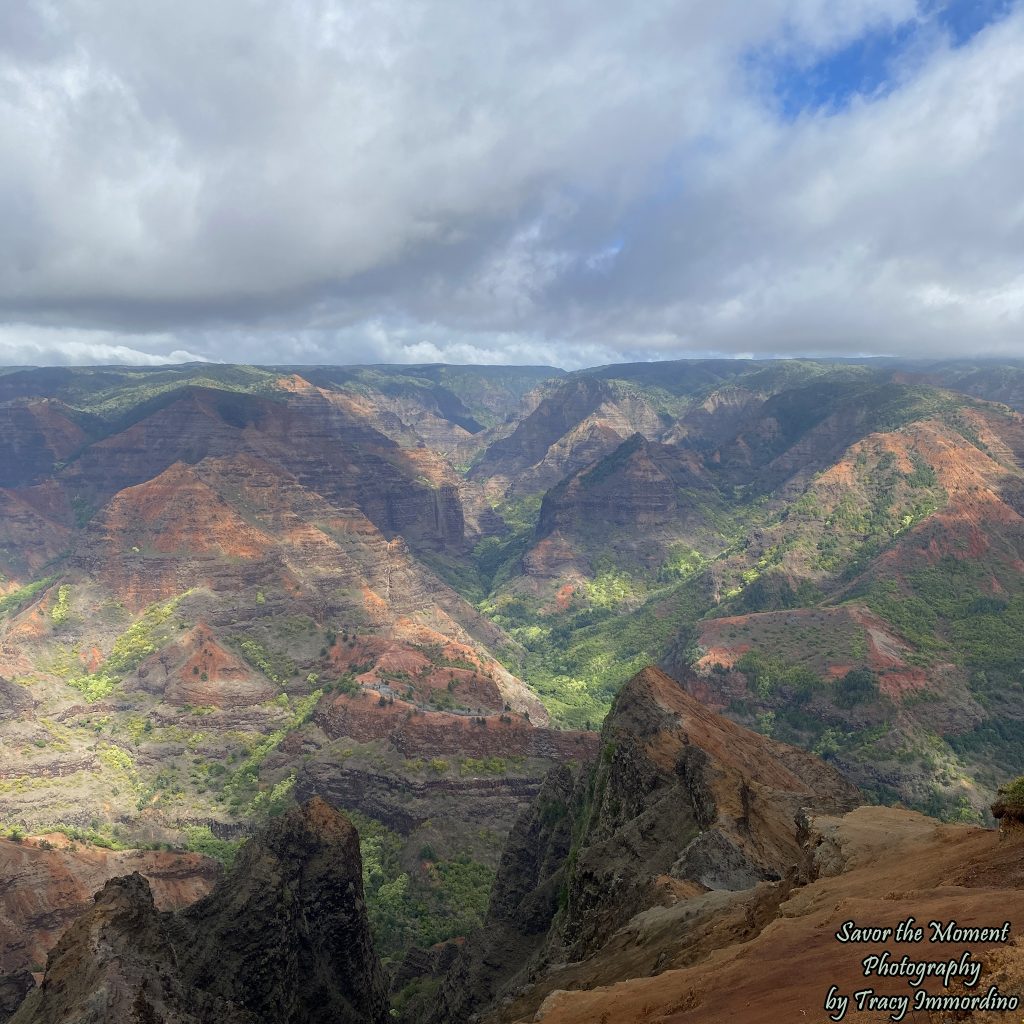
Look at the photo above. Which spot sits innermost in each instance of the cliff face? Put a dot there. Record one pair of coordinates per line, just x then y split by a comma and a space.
116, 963
683, 877
682, 792
874, 864
34, 530
48, 881
283, 938
580, 422
285, 934
636, 503
308, 436
682, 804
33, 436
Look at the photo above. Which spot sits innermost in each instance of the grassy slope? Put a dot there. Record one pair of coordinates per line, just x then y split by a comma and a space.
828, 547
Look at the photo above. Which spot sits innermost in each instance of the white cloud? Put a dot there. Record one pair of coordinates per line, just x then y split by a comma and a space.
534, 181
27, 345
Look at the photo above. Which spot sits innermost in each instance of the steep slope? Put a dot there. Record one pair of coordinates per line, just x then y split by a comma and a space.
36, 525
995, 380
681, 803
234, 560
910, 548
580, 421
875, 865
472, 397
282, 938
447, 408
35, 436
633, 505
303, 431
738, 922
834, 557
49, 880
228, 591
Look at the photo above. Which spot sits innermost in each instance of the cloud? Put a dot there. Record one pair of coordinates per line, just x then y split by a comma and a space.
26, 345
558, 182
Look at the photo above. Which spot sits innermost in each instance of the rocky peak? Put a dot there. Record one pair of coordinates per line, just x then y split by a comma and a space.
115, 963
282, 938
681, 805
290, 920
680, 791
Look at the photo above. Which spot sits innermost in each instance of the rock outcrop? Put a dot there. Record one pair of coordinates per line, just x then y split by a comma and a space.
700, 872
283, 939
682, 805
48, 881
874, 865
581, 421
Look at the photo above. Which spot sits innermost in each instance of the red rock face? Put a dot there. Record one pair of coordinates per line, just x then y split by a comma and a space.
415, 733
46, 889
199, 671
34, 529
315, 441
636, 502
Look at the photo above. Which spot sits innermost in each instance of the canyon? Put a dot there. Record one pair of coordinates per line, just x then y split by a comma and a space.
434, 598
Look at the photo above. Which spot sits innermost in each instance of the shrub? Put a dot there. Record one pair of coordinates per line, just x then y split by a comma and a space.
856, 687
61, 609
1009, 804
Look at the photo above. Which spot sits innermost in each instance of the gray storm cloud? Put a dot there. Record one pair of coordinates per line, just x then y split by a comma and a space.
559, 182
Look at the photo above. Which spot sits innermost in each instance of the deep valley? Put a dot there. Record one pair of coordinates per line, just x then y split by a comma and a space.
614, 672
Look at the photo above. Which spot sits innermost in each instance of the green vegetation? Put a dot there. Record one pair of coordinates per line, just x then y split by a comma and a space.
94, 686
200, 839
577, 664
948, 608
440, 900
483, 766
743, 547
16, 599
1010, 800
610, 589
268, 803
130, 649
82, 509
240, 789
61, 610
768, 676
494, 559
118, 760
123, 394
682, 562
858, 686
275, 666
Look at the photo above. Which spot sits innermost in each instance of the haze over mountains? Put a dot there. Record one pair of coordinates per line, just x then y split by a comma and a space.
414, 591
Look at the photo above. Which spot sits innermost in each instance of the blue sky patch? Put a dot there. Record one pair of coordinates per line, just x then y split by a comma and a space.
872, 65
964, 19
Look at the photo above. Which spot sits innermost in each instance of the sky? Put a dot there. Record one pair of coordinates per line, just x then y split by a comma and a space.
566, 182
